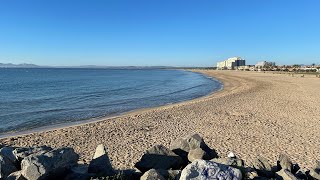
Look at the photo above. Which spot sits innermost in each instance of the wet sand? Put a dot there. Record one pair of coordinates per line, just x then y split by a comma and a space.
255, 114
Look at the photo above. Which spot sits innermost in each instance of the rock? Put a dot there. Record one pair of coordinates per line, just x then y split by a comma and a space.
7, 152
196, 141
182, 146
285, 174
21, 153
100, 163
116, 176
233, 162
197, 153
130, 174
314, 174
301, 174
169, 174
6, 167
295, 168
262, 164
152, 174
79, 172
51, 164
263, 178
229, 161
231, 155
263, 167
8, 162
284, 162
202, 169
250, 173
15, 176
159, 157
317, 165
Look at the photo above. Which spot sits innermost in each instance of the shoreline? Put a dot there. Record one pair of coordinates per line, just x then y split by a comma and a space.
255, 114
107, 117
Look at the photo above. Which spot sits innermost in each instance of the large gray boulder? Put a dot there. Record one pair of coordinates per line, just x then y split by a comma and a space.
262, 164
6, 167
170, 174
79, 172
284, 162
8, 162
235, 162
202, 169
100, 163
152, 174
52, 164
285, 174
182, 146
7, 152
21, 153
130, 174
159, 157
195, 154
263, 167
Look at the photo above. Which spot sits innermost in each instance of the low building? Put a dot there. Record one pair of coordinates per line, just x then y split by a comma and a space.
231, 63
264, 64
245, 68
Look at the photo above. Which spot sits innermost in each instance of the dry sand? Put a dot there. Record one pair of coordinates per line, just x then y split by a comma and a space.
255, 114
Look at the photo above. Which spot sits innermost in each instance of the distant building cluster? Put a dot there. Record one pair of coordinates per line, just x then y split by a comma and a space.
263, 64
237, 63
231, 63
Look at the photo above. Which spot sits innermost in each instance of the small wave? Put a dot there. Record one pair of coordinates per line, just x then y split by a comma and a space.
29, 113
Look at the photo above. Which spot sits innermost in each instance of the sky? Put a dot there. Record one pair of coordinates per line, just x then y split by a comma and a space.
158, 32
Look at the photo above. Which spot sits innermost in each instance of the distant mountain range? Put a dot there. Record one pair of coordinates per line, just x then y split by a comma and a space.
24, 65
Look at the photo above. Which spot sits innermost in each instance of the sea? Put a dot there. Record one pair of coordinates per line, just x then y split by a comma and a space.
31, 98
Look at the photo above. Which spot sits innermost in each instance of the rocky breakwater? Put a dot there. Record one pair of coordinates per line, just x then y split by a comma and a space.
187, 158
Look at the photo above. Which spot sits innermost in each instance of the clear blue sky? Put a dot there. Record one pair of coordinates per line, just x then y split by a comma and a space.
158, 32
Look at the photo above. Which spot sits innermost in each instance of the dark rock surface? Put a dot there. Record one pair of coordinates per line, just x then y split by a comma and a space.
159, 157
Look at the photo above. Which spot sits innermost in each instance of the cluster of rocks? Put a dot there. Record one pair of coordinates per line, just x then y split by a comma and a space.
36, 163
187, 158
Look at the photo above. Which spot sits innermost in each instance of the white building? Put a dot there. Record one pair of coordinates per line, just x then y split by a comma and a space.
263, 64
231, 63
245, 68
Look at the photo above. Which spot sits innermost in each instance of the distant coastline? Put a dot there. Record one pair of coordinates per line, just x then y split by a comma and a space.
23, 65
26, 65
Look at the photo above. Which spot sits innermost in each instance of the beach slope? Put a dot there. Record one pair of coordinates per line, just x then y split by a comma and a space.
255, 114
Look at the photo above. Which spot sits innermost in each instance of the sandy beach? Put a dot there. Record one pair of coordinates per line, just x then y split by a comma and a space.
255, 114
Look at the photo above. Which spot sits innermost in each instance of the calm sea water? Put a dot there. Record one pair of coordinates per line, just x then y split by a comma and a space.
33, 98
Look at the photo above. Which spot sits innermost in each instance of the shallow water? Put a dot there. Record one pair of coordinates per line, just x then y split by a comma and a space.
33, 98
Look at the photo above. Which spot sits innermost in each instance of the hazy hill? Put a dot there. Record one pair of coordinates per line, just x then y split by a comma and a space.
10, 65
25, 65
